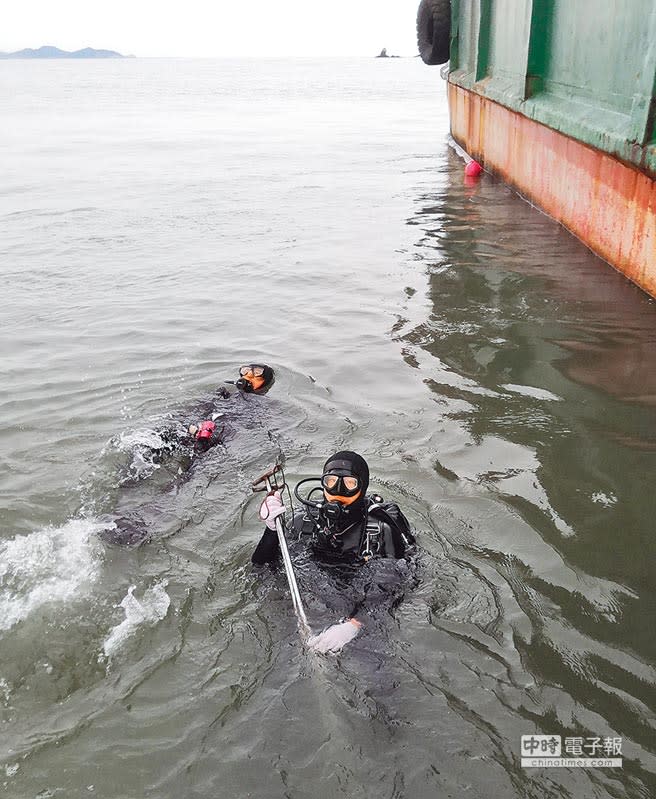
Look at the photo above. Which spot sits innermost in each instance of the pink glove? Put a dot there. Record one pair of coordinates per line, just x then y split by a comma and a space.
271, 508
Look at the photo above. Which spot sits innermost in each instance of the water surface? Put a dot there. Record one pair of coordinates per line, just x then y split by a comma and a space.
164, 221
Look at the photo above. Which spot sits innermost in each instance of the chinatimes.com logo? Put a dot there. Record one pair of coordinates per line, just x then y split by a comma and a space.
551, 751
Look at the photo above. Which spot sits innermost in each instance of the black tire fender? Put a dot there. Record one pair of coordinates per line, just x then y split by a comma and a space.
434, 30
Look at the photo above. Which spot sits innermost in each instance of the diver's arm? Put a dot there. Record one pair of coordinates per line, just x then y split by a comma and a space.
392, 575
381, 588
169, 442
384, 591
393, 545
175, 437
267, 550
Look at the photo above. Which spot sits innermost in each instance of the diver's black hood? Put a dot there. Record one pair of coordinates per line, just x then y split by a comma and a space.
345, 463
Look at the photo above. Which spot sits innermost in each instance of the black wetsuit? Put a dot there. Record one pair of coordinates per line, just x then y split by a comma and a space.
179, 454
381, 532
363, 573
178, 438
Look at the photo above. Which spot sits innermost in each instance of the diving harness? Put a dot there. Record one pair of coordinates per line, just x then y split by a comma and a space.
325, 521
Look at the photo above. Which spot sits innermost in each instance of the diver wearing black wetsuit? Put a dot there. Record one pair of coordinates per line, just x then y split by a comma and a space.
359, 545
200, 436
349, 527
182, 446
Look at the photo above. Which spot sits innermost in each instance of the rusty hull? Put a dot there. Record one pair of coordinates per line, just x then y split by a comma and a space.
607, 204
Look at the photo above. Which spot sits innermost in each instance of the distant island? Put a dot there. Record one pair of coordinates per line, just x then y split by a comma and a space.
55, 52
383, 54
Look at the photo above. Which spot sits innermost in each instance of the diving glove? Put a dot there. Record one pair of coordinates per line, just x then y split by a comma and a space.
334, 638
271, 508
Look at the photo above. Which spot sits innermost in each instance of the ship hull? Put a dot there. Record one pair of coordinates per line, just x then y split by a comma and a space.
609, 205
559, 100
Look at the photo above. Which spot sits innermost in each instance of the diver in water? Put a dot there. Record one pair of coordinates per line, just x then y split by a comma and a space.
347, 527
181, 446
202, 435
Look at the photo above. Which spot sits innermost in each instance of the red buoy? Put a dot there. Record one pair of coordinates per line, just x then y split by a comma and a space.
473, 169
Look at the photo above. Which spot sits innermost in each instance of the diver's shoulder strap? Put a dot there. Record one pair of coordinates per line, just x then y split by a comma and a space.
391, 513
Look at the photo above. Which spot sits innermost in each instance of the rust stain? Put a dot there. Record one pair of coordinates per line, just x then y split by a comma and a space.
610, 206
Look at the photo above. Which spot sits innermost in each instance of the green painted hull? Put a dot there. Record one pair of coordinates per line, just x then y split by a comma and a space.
558, 98
582, 67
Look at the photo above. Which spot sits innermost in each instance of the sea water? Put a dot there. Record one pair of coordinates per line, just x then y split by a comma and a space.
164, 221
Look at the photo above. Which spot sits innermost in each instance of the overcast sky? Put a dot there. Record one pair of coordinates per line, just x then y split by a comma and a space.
213, 27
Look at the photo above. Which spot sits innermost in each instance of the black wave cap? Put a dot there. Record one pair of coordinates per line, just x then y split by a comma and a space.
347, 462
267, 375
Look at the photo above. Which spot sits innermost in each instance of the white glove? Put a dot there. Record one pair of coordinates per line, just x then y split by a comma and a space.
335, 637
271, 508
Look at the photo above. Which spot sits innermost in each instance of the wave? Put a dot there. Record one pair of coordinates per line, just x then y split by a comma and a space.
49, 566
152, 608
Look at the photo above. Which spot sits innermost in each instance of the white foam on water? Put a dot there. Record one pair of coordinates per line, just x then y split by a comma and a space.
147, 611
532, 391
607, 500
141, 444
147, 437
134, 440
48, 566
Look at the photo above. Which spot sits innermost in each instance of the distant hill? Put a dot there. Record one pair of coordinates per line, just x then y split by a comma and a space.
55, 52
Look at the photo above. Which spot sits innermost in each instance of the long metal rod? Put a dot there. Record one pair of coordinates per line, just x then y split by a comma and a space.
289, 571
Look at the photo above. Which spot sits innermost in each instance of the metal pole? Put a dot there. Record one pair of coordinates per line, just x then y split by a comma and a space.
287, 562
